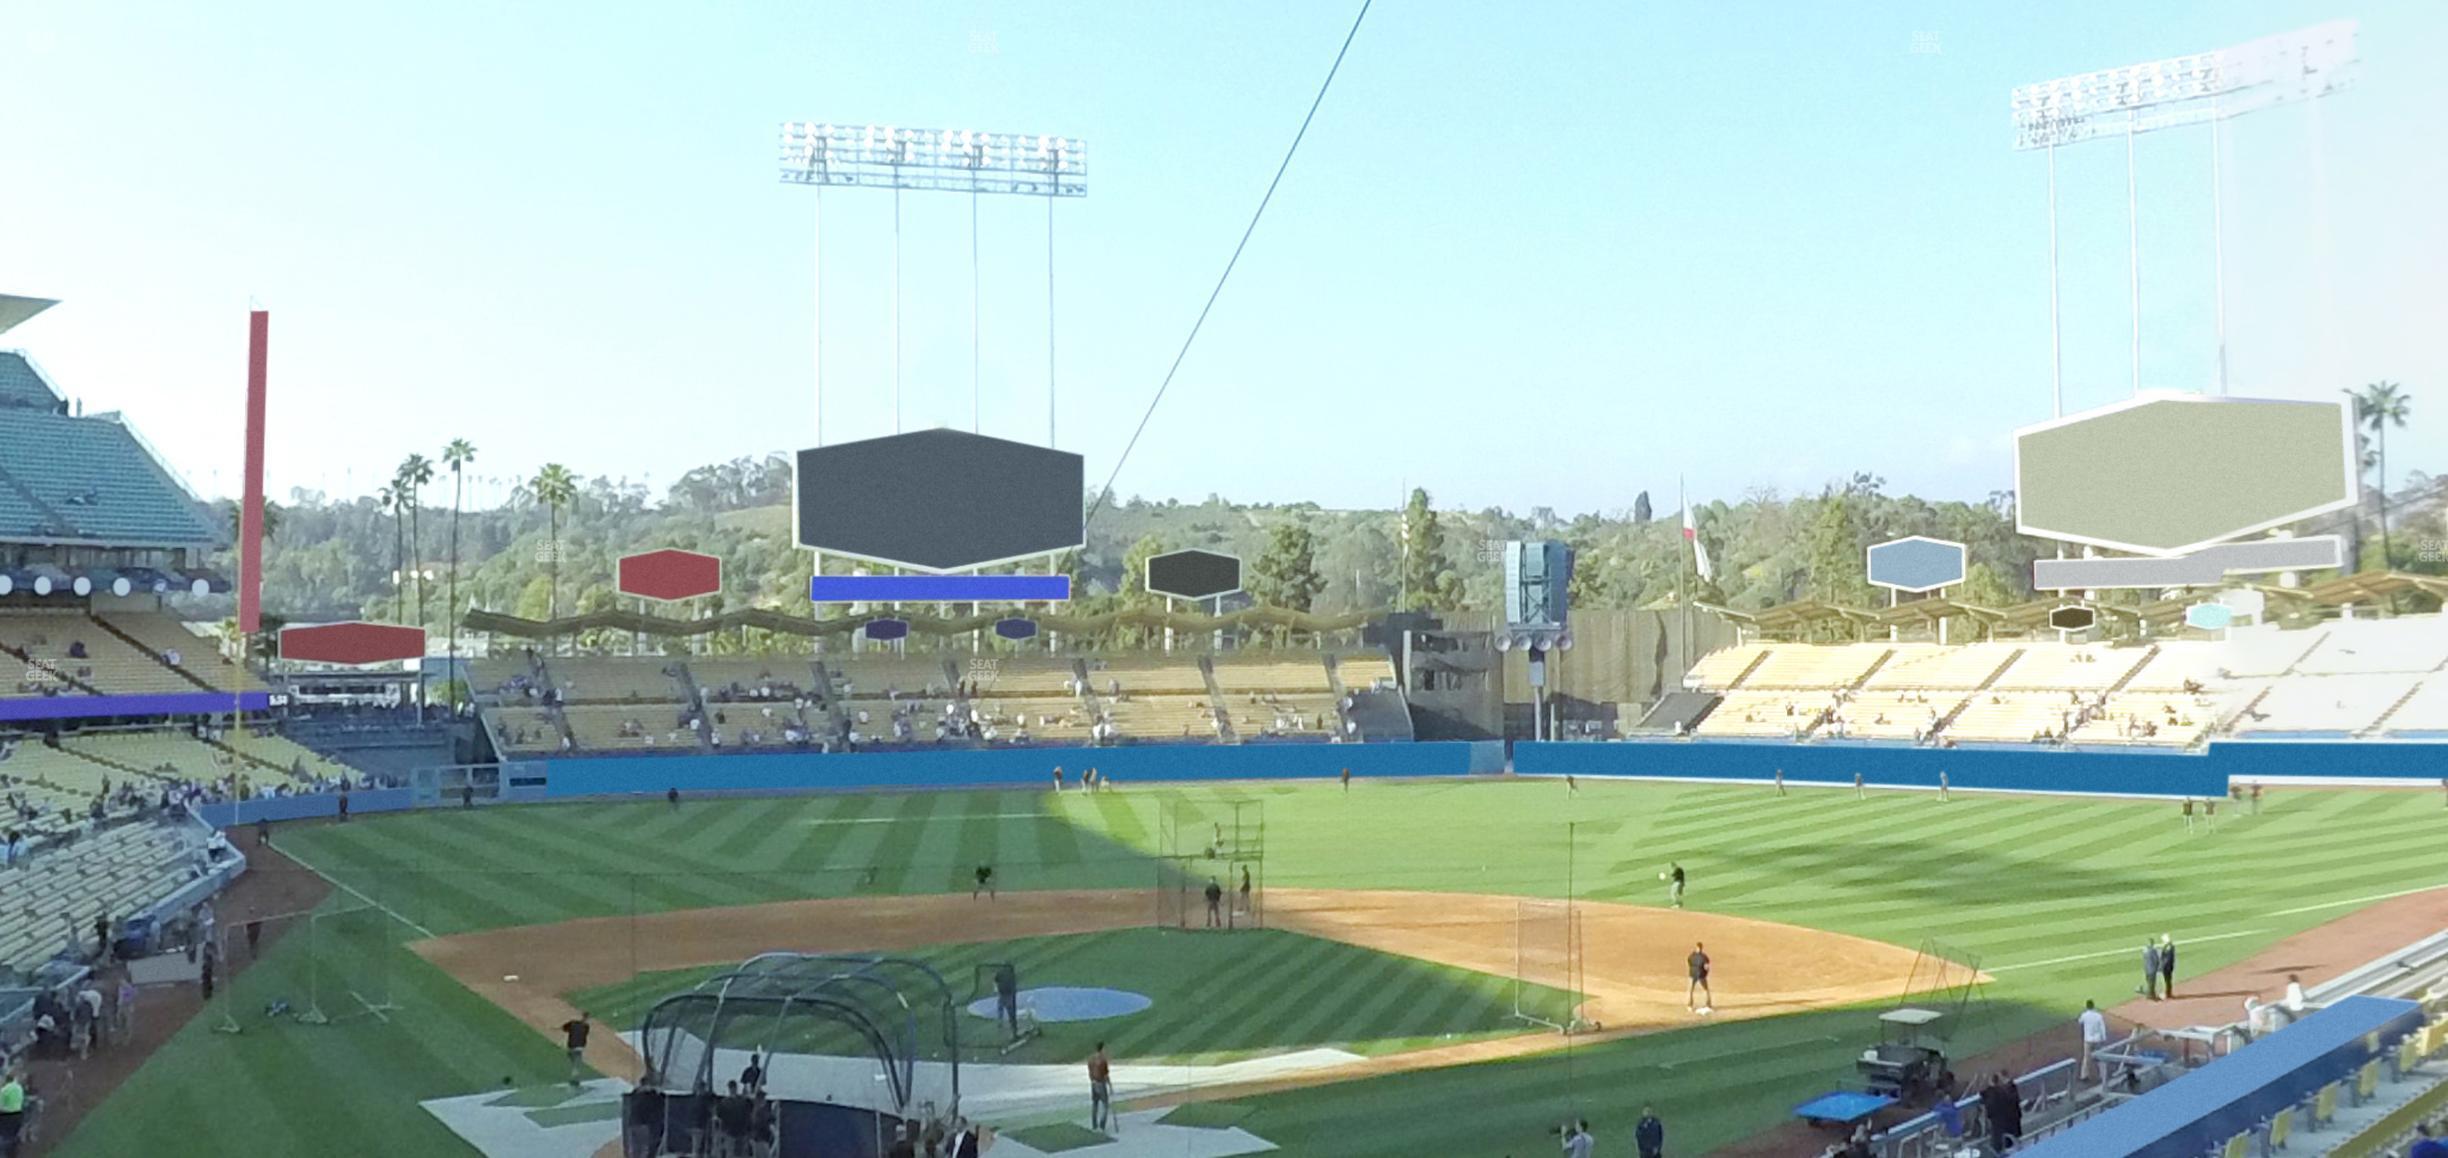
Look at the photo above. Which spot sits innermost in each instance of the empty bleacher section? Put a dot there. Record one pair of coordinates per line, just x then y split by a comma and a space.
1724, 669
2069, 668
71, 479
1935, 667
71, 652
606, 680
1807, 666
2329, 705
60, 891
2414, 643
2422, 714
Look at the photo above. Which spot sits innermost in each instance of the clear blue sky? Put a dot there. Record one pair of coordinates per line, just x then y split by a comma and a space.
1530, 255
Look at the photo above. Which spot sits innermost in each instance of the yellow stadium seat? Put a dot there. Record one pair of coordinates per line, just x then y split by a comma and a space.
2367, 1081
2238, 1146
2282, 1127
2324, 1105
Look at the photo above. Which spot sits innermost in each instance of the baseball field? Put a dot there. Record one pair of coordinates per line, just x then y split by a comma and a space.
1389, 910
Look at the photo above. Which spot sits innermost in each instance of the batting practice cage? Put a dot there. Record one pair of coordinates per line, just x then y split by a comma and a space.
855, 1051
1211, 842
329, 965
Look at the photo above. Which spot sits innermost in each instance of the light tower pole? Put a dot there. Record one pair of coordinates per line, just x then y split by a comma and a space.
2203, 88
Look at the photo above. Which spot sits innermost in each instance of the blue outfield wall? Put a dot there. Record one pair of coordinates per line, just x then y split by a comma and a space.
2017, 769
2123, 772
961, 768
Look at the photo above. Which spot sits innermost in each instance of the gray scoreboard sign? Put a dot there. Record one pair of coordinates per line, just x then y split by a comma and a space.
939, 500
1193, 574
2169, 474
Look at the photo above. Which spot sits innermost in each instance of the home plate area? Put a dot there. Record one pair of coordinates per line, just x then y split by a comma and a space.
1021, 1101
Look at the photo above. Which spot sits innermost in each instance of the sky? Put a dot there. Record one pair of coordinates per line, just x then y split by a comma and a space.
1529, 255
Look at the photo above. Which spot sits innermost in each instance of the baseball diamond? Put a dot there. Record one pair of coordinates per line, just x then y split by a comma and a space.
605, 673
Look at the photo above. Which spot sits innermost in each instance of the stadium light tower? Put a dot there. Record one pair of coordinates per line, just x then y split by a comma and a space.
2206, 87
935, 160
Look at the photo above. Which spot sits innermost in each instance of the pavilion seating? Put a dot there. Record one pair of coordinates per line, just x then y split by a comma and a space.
1761, 714
2178, 663
2018, 718
2413, 643
612, 680
2325, 704
1933, 666
2267, 651
1280, 715
1815, 666
600, 727
1024, 675
2078, 667
1362, 670
1719, 668
1894, 715
2425, 710
528, 731
166, 754
874, 674
1298, 672
1163, 718
1149, 675
2175, 718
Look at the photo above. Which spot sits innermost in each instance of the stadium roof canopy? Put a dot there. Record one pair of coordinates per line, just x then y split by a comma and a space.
14, 309
1788, 616
1931, 610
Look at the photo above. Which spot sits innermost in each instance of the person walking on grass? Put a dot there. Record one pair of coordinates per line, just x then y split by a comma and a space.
1215, 904
1674, 885
1100, 1090
1650, 1134
2150, 970
1780, 781
1858, 794
985, 883
2188, 813
574, 1037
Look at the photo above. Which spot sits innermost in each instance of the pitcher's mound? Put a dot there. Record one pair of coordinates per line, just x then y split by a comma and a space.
1068, 1003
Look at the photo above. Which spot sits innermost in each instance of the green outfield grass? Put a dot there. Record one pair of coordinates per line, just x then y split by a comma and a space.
2054, 895
1217, 998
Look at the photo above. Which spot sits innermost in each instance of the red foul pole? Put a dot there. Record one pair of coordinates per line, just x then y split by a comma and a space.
250, 516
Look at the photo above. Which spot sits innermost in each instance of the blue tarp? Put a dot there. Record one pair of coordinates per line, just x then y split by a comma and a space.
2201, 1110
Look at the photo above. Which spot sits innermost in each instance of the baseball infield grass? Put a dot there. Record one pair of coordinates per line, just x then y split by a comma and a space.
2054, 895
1218, 998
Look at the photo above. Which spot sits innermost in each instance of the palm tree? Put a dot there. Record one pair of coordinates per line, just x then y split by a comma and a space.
553, 487
2378, 407
389, 498
414, 472
457, 455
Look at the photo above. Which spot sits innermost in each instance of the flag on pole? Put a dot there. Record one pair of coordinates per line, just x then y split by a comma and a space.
1691, 534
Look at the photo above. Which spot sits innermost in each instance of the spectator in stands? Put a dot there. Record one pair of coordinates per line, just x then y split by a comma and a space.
2002, 1110
2428, 1141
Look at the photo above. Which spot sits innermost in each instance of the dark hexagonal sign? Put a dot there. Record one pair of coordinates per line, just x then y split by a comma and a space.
1015, 628
354, 642
884, 629
2169, 474
2073, 618
1193, 574
669, 575
1917, 563
939, 500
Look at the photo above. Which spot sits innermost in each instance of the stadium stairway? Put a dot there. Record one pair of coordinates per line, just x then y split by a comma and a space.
1872, 670
696, 706
2134, 671
2377, 726
1215, 698
1948, 720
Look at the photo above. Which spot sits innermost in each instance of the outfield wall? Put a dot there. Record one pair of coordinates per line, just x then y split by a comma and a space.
985, 767
2121, 772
